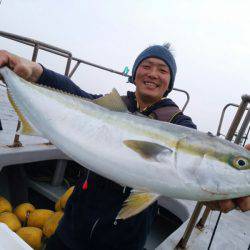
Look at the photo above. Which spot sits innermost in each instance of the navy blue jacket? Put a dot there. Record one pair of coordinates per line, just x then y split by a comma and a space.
89, 218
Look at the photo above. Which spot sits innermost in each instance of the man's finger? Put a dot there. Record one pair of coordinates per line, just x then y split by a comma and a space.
4, 58
243, 203
213, 205
226, 205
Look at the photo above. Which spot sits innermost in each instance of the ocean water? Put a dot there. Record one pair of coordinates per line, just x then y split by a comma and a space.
9, 121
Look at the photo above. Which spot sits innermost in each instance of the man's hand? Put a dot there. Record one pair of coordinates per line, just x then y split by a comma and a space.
26, 69
243, 203
225, 206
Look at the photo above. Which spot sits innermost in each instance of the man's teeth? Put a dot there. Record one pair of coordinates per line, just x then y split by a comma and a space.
151, 84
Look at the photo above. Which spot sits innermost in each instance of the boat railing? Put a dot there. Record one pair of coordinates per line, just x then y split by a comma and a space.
67, 54
239, 134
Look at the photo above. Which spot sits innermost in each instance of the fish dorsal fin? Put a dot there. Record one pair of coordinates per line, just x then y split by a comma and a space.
148, 150
112, 101
136, 202
26, 128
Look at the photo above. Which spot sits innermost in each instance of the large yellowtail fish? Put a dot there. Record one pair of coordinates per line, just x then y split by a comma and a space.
153, 157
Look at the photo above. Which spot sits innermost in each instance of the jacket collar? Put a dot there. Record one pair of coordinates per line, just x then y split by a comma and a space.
133, 107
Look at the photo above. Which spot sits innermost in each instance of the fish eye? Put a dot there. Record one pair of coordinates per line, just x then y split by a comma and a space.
240, 163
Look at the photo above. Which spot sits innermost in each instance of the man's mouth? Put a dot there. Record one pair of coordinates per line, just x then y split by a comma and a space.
151, 84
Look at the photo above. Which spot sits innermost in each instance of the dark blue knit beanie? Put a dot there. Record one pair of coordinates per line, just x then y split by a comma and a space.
161, 52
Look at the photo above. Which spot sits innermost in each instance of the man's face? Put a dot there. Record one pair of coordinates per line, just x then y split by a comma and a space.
152, 79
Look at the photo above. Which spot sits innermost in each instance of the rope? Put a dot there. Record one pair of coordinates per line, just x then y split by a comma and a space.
215, 228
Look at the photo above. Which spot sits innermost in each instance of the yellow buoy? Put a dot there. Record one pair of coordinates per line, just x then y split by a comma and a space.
32, 236
64, 198
5, 206
58, 206
38, 217
23, 210
10, 220
51, 224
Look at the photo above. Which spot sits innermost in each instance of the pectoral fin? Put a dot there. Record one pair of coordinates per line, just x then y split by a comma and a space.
112, 101
148, 150
26, 128
136, 202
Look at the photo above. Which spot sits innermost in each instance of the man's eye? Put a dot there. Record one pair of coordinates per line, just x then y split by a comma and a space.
145, 66
164, 71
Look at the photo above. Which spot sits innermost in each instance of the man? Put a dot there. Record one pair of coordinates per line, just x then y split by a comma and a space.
90, 213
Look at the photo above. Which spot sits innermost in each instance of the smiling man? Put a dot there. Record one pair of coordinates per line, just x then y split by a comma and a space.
152, 79
88, 221
153, 74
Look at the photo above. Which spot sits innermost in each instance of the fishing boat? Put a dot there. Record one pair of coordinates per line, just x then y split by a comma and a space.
47, 173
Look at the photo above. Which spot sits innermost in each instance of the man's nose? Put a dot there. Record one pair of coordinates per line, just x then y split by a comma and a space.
153, 73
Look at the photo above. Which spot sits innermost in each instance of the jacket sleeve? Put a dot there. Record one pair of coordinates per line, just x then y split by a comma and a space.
52, 79
184, 120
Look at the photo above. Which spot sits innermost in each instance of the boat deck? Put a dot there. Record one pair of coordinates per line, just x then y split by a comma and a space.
233, 233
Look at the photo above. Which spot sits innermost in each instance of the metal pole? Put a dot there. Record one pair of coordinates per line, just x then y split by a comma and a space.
16, 142
35, 53
99, 66
68, 65
203, 219
59, 172
237, 118
246, 136
243, 128
222, 116
183, 242
31, 42
187, 95
74, 69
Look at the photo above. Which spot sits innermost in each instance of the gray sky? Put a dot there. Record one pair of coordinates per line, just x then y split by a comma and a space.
210, 39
